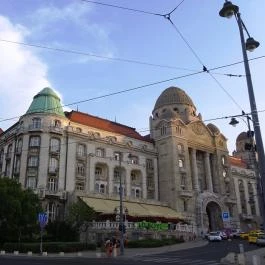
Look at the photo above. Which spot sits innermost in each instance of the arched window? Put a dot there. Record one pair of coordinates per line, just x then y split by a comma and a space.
51, 211
100, 152
81, 150
81, 169
181, 163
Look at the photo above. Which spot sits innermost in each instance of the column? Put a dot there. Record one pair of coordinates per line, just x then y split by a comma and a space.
256, 199
237, 195
128, 182
144, 186
110, 174
194, 170
247, 196
209, 181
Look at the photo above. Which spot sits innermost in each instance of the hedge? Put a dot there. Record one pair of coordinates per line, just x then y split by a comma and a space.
51, 247
152, 243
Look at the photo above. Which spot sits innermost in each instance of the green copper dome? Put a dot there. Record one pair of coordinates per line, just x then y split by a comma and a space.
46, 101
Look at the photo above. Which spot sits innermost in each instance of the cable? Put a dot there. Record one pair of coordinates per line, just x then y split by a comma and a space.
200, 61
144, 130
142, 86
122, 7
108, 58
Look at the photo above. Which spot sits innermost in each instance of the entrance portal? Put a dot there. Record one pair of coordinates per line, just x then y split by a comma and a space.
214, 214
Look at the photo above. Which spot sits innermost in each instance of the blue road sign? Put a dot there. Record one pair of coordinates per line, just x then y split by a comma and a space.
225, 216
43, 219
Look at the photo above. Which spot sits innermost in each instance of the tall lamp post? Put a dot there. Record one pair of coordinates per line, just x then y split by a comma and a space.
121, 224
250, 44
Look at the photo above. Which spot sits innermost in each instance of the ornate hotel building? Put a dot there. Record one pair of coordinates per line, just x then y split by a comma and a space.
181, 170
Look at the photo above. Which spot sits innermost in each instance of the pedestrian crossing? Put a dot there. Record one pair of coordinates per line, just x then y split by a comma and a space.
178, 260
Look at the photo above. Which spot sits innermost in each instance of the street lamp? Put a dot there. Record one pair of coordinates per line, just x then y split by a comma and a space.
228, 11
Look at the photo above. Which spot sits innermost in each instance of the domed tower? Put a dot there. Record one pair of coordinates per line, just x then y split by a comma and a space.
245, 149
194, 177
171, 104
46, 101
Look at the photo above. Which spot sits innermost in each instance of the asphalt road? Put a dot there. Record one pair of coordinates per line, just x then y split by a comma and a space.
207, 255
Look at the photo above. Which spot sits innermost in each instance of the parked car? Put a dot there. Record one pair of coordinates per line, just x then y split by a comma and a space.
253, 235
235, 233
260, 241
243, 235
215, 236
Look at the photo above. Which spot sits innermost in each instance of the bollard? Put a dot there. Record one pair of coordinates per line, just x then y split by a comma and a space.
61, 253
241, 248
2, 252
256, 260
79, 254
44, 254
29, 253
16, 252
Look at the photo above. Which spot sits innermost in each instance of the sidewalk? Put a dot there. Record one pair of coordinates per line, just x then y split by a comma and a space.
251, 256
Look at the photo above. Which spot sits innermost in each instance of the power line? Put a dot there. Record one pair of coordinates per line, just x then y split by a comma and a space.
200, 61
168, 17
107, 57
140, 131
124, 8
142, 86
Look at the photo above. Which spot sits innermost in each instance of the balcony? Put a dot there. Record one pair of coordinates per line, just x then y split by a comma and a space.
81, 156
56, 129
53, 170
186, 193
35, 128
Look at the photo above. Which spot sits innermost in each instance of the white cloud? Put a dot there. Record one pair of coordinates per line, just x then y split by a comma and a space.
22, 73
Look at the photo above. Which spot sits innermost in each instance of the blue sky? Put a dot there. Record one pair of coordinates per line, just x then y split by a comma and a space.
115, 33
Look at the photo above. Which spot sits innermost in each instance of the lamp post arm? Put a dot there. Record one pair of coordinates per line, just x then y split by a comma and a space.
255, 119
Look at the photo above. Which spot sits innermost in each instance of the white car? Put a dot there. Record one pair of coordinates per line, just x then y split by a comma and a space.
214, 236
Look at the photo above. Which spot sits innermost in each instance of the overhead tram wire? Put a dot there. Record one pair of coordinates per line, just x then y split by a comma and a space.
142, 86
108, 58
167, 16
124, 8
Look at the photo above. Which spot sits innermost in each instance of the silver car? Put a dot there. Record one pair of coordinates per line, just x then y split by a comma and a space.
260, 241
214, 236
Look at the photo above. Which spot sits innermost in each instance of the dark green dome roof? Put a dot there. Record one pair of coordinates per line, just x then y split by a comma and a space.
46, 101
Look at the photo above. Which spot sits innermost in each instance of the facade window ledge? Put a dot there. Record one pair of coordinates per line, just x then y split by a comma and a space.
55, 129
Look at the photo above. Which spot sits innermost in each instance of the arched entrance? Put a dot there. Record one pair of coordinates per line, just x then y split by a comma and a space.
214, 214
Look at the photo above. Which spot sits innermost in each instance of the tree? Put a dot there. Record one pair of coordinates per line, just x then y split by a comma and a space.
18, 211
79, 214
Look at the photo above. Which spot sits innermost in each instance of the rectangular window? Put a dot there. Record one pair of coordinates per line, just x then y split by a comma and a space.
34, 141
33, 161
31, 182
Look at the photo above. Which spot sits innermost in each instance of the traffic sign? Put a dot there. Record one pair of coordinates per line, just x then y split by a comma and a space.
43, 219
225, 216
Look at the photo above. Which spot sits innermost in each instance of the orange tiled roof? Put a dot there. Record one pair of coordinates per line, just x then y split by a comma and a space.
238, 162
103, 124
